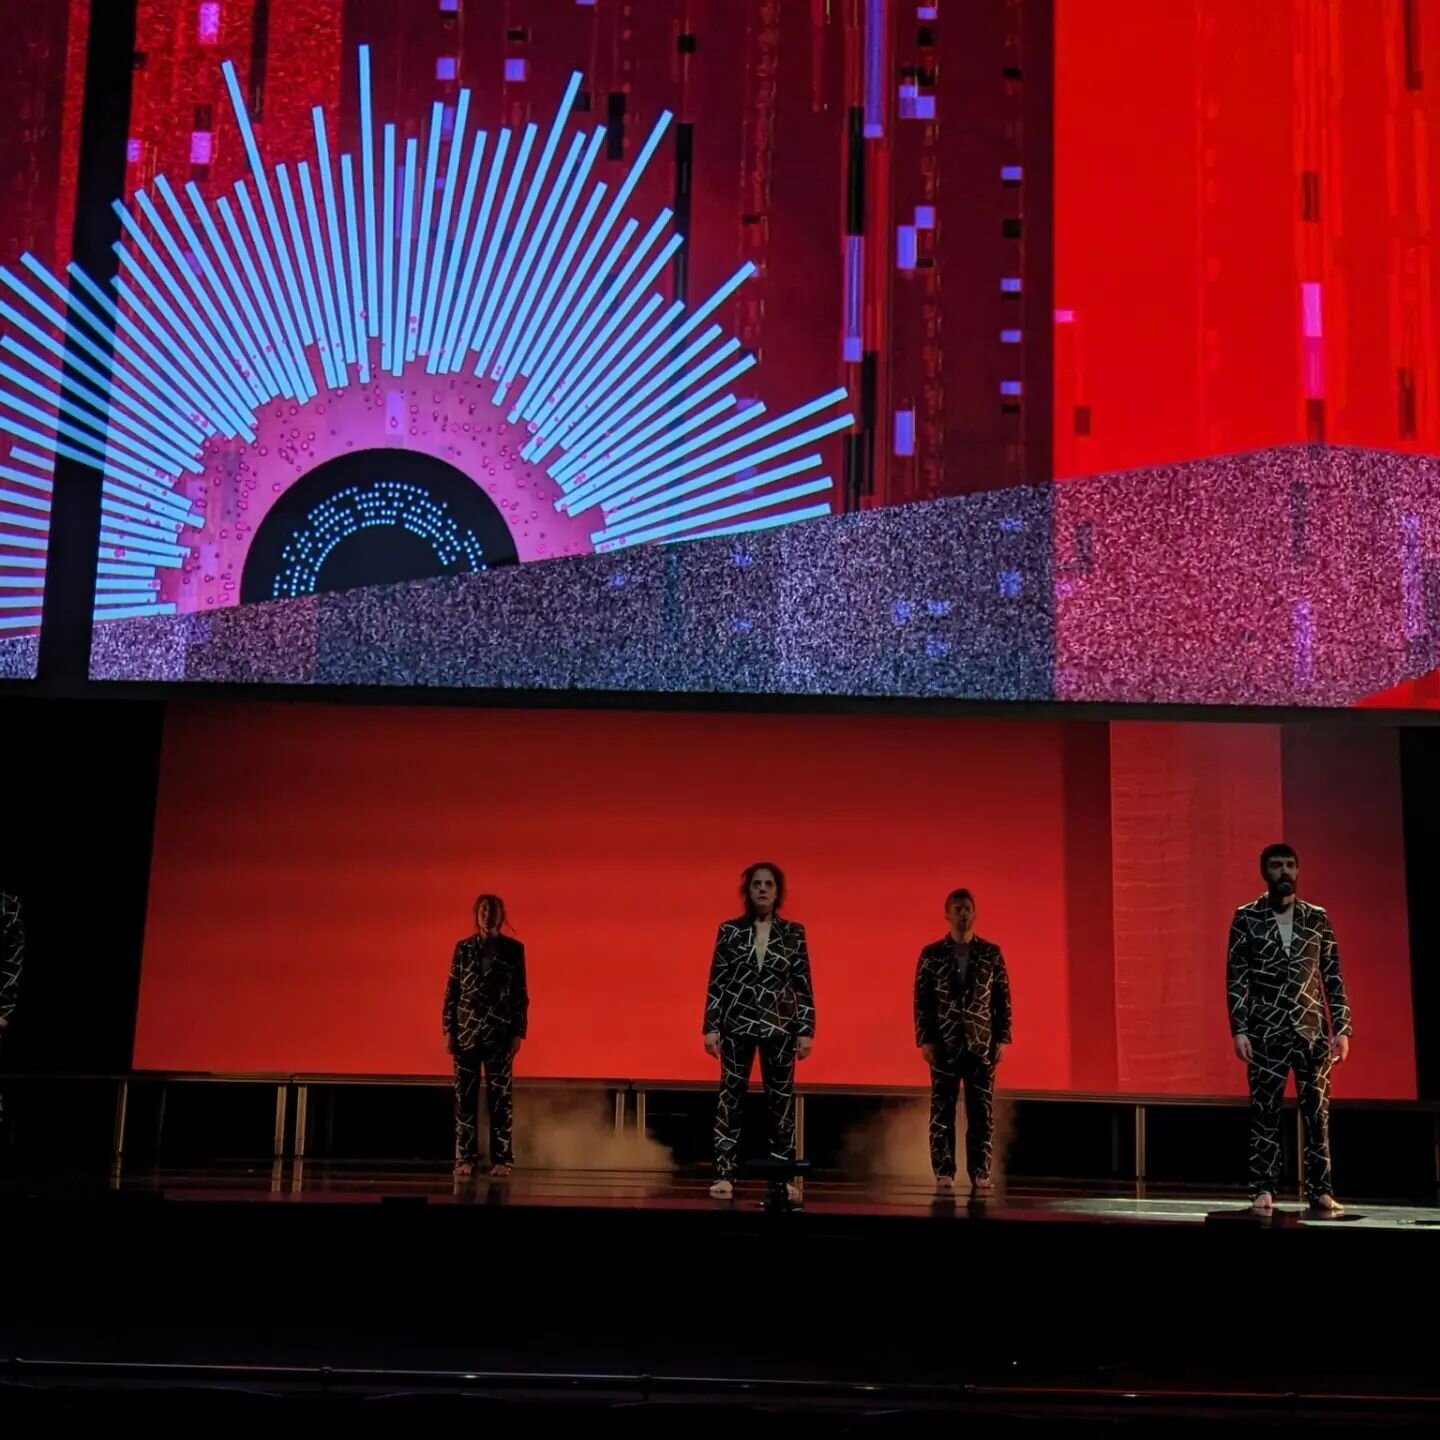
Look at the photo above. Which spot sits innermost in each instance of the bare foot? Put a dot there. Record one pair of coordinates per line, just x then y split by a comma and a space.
982, 1185
1326, 1205
795, 1192
499, 1172
722, 1190
1263, 1203
464, 1170
945, 1182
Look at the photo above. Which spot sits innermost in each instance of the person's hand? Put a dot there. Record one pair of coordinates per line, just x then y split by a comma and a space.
999, 1053
515, 1044
1339, 1048
712, 1044
4, 1023
927, 1054
1243, 1049
804, 1046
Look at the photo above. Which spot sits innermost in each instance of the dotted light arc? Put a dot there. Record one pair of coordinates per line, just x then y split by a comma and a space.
498, 254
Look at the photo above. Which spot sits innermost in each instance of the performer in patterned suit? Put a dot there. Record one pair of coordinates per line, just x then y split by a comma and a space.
487, 1008
12, 962
1283, 972
759, 999
962, 1026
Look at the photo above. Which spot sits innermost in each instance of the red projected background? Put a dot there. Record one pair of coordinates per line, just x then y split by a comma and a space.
313, 869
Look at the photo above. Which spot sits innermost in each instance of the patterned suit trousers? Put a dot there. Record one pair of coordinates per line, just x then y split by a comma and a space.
777, 1073
951, 1070
467, 1105
1271, 1067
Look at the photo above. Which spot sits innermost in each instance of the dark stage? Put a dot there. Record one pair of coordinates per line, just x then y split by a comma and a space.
587, 1292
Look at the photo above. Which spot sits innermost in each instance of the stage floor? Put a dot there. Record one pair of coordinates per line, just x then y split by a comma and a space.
636, 1288
1030, 1201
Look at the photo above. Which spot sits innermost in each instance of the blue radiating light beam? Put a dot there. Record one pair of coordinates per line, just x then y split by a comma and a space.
166, 394
352, 240
447, 300
106, 401
607, 484
578, 433
344, 312
422, 252
137, 451
723, 512
267, 335
595, 395
499, 232
324, 277
613, 442
271, 383
539, 346
746, 485
487, 333
215, 412
591, 364
292, 337
367, 172
189, 345
556, 274
675, 429
667, 407
577, 330
161, 413
400, 331
334, 375
646, 498
453, 156
440, 359
387, 249
544, 237
287, 349
229, 347
267, 199
617, 204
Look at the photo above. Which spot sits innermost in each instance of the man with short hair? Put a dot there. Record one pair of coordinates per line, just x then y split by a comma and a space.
1283, 972
962, 1026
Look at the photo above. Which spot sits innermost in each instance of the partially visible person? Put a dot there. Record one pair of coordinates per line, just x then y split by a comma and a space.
1288, 1011
962, 1026
760, 1000
486, 1015
12, 962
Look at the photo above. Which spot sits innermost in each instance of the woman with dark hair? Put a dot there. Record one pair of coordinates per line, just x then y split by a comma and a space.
486, 1011
760, 999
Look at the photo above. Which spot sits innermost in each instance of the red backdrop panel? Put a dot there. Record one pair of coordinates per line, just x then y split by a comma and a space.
313, 868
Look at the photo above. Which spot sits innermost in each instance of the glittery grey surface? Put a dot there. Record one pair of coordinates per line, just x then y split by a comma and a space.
1297, 576
19, 655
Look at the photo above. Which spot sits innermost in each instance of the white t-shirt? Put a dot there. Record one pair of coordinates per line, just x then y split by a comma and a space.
1285, 919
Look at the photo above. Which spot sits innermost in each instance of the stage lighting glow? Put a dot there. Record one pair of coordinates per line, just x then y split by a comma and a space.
496, 260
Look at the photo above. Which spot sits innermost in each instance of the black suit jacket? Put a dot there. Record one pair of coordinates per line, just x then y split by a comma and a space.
12, 953
1273, 995
750, 996
487, 1004
971, 1014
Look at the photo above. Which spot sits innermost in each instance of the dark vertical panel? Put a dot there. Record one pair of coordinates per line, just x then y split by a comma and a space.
1038, 296
684, 185
64, 657
80, 862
